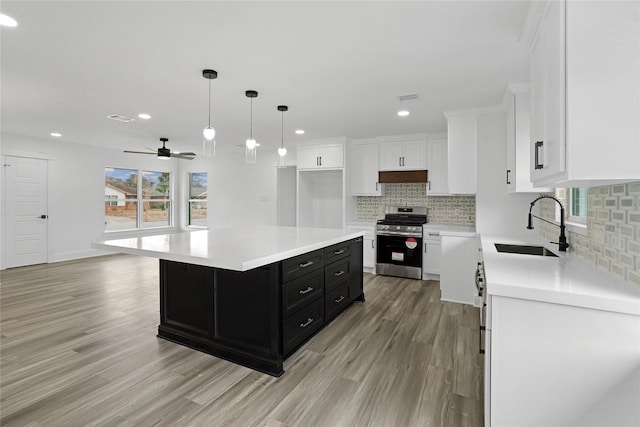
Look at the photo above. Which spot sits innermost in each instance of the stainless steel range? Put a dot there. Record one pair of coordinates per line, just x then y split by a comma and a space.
399, 242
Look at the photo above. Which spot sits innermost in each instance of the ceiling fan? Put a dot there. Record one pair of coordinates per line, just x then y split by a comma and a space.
165, 153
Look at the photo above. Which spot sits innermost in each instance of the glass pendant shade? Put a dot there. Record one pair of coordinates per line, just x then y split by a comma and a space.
209, 133
251, 145
251, 151
282, 152
208, 148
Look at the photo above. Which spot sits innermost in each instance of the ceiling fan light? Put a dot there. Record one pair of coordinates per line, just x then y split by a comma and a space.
209, 133
251, 143
282, 151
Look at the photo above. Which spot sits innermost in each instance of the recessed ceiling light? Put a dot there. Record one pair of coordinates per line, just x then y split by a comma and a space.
7, 21
55, 134
300, 131
144, 116
403, 113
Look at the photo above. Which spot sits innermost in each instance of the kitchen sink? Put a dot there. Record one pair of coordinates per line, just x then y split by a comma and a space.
524, 249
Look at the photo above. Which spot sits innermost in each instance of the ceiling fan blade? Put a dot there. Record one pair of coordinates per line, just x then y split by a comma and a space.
139, 152
186, 153
181, 156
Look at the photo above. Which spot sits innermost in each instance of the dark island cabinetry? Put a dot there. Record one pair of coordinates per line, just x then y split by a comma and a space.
258, 317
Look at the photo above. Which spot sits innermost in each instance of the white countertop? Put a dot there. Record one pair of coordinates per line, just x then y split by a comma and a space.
450, 230
567, 279
240, 249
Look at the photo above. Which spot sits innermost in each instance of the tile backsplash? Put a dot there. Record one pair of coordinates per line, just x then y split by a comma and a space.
453, 210
613, 225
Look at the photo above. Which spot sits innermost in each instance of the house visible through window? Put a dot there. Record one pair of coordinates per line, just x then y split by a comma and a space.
132, 203
198, 199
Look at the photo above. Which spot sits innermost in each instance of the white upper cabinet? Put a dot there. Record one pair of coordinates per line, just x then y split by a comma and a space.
437, 166
518, 174
585, 92
322, 156
404, 153
364, 169
462, 151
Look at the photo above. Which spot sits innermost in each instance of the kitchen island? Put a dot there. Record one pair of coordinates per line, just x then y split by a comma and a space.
251, 295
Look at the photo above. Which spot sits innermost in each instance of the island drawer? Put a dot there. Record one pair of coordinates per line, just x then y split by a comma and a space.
336, 300
336, 252
335, 273
301, 325
300, 291
301, 264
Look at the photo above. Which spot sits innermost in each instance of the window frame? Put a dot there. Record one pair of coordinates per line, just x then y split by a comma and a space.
191, 200
576, 224
139, 200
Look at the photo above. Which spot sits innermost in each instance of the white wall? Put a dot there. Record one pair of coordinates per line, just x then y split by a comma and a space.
497, 212
238, 193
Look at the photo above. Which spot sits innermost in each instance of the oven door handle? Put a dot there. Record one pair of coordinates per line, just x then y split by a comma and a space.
399, 234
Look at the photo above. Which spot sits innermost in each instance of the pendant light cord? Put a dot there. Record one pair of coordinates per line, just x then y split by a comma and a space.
209, 102
282, 130
251, 121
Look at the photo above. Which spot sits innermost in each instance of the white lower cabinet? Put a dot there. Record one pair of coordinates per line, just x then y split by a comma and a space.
431, 255
368, 246
458, 268
561, 365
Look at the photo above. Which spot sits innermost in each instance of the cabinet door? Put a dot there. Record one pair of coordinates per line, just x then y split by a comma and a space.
364, 170
437, 167
462, 153
548, 148
390, 156
432, 256
308, 157
331, 156
510, 175
369, 249
414, 154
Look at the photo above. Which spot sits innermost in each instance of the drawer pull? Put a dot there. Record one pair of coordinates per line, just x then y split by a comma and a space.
306, 264
307, 323
338, 300
339, 273
306, 291
341, 251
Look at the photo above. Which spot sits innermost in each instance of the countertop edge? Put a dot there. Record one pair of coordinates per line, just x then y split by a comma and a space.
241, 265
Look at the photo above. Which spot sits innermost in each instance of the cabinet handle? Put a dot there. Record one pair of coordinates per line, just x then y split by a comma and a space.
307, 323
508, 172
537, 156
399, 161
306, 291
402, 160
306, 264
339, 273
317, 161
372, 244
341, 251
320, 159
429, 185
377, 183
425, 248
338, 300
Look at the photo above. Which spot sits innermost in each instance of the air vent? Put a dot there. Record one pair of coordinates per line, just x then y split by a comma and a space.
120, 118
408, 98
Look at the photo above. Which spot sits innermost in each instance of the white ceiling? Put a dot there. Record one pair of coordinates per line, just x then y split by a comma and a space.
339, 66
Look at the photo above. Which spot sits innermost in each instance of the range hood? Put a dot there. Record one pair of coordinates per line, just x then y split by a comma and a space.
402, 176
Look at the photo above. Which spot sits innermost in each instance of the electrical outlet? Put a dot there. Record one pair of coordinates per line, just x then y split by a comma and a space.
596, 232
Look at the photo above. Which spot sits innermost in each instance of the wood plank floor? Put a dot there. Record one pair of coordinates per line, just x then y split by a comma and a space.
78, 348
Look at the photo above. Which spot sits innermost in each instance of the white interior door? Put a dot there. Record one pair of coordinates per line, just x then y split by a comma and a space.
26, 211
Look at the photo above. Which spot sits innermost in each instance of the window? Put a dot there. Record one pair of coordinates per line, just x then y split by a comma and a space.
132, 203
198, 199
576, 203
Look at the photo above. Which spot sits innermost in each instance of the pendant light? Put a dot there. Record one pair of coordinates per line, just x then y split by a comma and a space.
209, 133
251, 144
282, 152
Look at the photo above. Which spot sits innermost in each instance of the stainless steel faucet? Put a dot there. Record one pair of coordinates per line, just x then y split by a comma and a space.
562, 241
